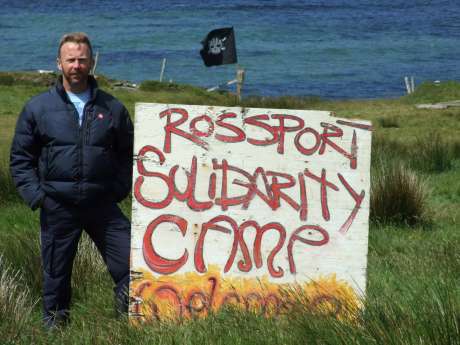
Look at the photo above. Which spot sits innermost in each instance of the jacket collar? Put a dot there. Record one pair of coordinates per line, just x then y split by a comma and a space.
92, 83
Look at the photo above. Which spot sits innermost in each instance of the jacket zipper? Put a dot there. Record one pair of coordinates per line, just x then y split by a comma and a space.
86, 123
83, 138
80, 156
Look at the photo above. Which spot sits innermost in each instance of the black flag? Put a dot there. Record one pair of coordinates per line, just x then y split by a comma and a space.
219, 47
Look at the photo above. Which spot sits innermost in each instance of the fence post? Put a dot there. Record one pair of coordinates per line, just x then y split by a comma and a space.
406, 81
239, 82
93, 69
163, 65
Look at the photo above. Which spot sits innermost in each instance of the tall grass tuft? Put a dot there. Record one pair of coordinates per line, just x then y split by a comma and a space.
426, 314
388, 122
432, 154
22, 250
15, 302
398, 196
7, 189
456, 149
88, 266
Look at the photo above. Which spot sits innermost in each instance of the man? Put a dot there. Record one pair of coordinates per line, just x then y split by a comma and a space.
72, 157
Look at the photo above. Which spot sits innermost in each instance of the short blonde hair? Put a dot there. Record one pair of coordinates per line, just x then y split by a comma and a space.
75, 37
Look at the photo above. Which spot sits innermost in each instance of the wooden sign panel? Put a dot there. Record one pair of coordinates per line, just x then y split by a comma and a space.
257, 208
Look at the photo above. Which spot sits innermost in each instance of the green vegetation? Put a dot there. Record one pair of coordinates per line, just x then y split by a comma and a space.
431, 92
15, 302
435, 153
413, 293
398, 196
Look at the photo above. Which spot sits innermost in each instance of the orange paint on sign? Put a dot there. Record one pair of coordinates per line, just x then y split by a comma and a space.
193, 295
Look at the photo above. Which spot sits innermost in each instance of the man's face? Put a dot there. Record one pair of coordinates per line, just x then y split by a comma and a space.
75, 62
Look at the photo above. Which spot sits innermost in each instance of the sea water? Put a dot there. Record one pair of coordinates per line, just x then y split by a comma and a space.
330, 48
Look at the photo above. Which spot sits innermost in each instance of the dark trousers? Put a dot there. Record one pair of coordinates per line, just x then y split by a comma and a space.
61, 229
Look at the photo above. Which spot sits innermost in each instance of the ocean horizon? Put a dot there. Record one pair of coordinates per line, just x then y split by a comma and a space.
331, 49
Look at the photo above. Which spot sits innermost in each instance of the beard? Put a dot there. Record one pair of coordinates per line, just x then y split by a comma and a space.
77, 81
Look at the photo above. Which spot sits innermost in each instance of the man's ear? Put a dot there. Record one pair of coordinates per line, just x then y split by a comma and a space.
58, 63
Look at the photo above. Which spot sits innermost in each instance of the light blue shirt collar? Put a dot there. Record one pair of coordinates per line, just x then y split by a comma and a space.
79, 100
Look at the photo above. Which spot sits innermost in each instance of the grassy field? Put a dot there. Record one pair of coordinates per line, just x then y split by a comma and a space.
413, 292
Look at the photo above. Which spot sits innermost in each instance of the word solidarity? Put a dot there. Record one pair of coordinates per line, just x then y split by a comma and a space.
273, 192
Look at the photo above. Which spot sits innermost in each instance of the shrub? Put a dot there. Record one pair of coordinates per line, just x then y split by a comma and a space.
398, 195
6, 79
388, 122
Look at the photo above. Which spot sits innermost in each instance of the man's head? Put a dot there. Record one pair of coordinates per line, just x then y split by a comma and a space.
75, 60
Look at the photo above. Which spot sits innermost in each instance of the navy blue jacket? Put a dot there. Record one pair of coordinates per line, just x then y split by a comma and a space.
53, 155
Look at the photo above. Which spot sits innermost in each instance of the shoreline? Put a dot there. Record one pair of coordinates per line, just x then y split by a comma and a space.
427, 95
46, 78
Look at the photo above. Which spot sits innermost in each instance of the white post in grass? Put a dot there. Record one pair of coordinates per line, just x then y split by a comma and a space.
406, 81
163, 65
93, 70
412, 84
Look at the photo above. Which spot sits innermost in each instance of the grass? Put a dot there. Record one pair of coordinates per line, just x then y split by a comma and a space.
15, 301
413, 295
433, 153
388, 122
430, 92
399, 196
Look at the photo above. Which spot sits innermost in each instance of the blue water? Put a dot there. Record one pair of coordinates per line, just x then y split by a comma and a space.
330, 48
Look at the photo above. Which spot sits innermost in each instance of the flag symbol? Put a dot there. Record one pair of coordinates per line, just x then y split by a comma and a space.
219, 47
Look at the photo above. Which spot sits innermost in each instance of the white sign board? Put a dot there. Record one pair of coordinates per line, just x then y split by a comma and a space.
236, 205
